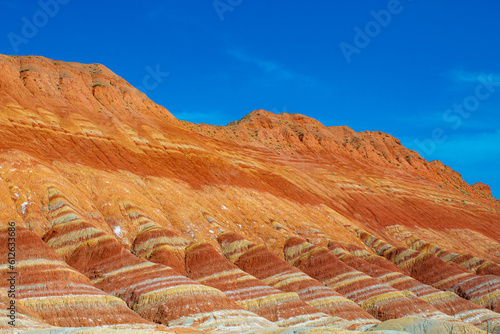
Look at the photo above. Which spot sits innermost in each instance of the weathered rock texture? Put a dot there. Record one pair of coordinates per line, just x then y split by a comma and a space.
444, 301
156, 243
381, 300
112, 188
286, 309
425, 326
55, 292
273, 271
22, 320
429, 269
156, 292
473, 263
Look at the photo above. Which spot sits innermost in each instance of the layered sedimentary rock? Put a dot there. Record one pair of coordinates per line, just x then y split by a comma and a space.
105, 330
55, 292
444, 301
473, 263
258, 261
19, 319
154, 291
86, 123
381, 300
429, 269
369, 257
156, 243
139, 183
286, 309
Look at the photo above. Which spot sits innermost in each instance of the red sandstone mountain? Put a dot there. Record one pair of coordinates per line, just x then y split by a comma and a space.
171, 225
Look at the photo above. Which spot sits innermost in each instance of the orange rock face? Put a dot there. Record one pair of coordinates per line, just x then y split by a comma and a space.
109, 191
154, 291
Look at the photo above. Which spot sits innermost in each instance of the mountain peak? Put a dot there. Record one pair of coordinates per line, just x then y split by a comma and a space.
86, 89
483, 188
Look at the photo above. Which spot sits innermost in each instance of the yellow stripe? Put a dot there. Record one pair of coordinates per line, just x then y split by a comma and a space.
221, 275
70, 301
449, 279
123, 270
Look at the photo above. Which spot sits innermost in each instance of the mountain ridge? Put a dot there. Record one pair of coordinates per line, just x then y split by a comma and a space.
113, 182
100, 72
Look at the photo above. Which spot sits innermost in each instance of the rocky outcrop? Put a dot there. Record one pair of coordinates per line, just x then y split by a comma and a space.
378, 299
130, 187
154, 291
365, 255
468, 261
258, 261
55, 292
444, 301
285, 309
156, 243
483, 188
429, 269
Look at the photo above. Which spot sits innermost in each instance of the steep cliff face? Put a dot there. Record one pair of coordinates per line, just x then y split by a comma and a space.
103, 179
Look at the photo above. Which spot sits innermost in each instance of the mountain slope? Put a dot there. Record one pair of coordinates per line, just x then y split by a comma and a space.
126, 164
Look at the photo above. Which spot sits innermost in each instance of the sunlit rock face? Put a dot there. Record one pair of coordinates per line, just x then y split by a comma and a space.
127, 218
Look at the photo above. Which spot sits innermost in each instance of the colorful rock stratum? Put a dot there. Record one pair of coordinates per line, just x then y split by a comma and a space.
116, 217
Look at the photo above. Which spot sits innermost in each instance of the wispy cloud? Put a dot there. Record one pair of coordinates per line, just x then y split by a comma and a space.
14, 5
481, 146
268, 66
460, 75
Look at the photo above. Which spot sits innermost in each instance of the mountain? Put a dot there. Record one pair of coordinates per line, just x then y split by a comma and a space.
131, 219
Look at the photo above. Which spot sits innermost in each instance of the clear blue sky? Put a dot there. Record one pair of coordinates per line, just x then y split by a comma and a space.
408, 68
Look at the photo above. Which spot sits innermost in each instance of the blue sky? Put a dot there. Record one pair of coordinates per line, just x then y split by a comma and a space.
427, 72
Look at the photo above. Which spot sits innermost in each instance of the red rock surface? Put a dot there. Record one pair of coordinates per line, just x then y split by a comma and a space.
137, 186
483, 188
444, 301
95, 127
273, 271
55, 292
286, 309
363, 254
24, 319
468, 261
429, 269
380, 300
154, 291
156, 243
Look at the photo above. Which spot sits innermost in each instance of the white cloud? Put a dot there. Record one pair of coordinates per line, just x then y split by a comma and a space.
460, 75
479, 147
267, 65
